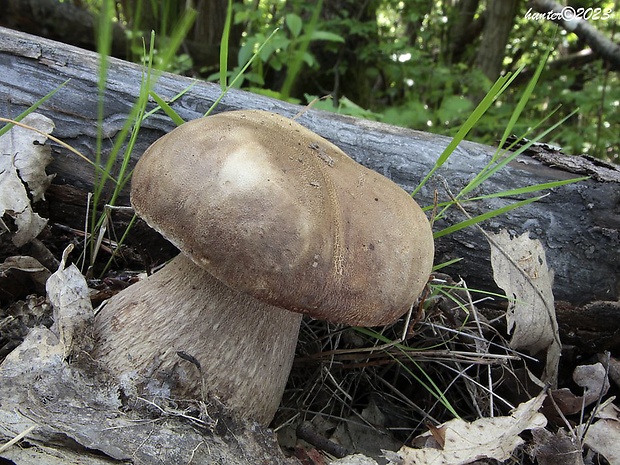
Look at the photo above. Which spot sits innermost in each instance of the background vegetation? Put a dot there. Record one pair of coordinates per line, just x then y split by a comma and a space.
422, 64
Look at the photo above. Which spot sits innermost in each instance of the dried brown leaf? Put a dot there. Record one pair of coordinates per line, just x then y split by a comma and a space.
23, 159
21, 264
73, 313
491, 438
603, 436
559, 448
594, 381
592, 378
520, 269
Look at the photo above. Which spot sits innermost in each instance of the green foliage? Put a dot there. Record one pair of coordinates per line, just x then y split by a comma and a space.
397, 62
500, 159
287, 50
405, 62
594, 130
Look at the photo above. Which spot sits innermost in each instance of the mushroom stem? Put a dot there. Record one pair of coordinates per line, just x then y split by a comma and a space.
181, 332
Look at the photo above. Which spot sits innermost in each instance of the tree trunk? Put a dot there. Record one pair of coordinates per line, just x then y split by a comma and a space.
497, 26
65, 22
464, 29
578, 224
76, 25
205, 39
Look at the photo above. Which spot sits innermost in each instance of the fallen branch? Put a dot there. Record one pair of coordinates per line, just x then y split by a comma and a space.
578, 224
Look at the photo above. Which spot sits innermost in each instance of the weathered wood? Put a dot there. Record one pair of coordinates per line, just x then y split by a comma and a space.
78, 417
578, 224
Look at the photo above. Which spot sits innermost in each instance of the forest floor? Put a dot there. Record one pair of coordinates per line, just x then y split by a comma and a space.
466, 378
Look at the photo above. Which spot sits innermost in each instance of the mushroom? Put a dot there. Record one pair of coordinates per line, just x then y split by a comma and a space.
272, 222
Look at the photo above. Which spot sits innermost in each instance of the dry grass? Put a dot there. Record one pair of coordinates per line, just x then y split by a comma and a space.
452, 361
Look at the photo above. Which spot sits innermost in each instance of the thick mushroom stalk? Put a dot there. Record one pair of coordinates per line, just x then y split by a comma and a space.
270, 212
181, 332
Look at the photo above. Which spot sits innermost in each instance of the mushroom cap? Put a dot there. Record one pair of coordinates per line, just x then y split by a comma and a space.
274, 210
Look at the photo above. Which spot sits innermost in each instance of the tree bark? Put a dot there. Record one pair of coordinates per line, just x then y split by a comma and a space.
75, 25
578, 224
497, 26
464, 29
65, 22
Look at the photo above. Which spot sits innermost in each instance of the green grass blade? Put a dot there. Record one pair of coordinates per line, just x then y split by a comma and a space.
527, 93
125, 139
532, 188
494, 166
132, 126
177, 37
121, 241
33, 107
445, 290
429, 384
133, 121
510, 192
485, 216
509, 78
173, 115
240, 73
252, 58
439, 266
224, 44
104, 46
483, 106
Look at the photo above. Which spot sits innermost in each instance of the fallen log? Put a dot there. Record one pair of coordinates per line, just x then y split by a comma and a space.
578, 223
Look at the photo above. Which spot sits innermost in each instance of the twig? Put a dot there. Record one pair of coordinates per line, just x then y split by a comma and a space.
307, 432
18, 438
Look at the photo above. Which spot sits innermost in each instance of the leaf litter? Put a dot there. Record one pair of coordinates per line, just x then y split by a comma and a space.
603, 436
24, 157
519, 267
485, 438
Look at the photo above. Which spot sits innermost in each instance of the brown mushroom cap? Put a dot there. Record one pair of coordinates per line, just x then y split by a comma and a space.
274, 210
